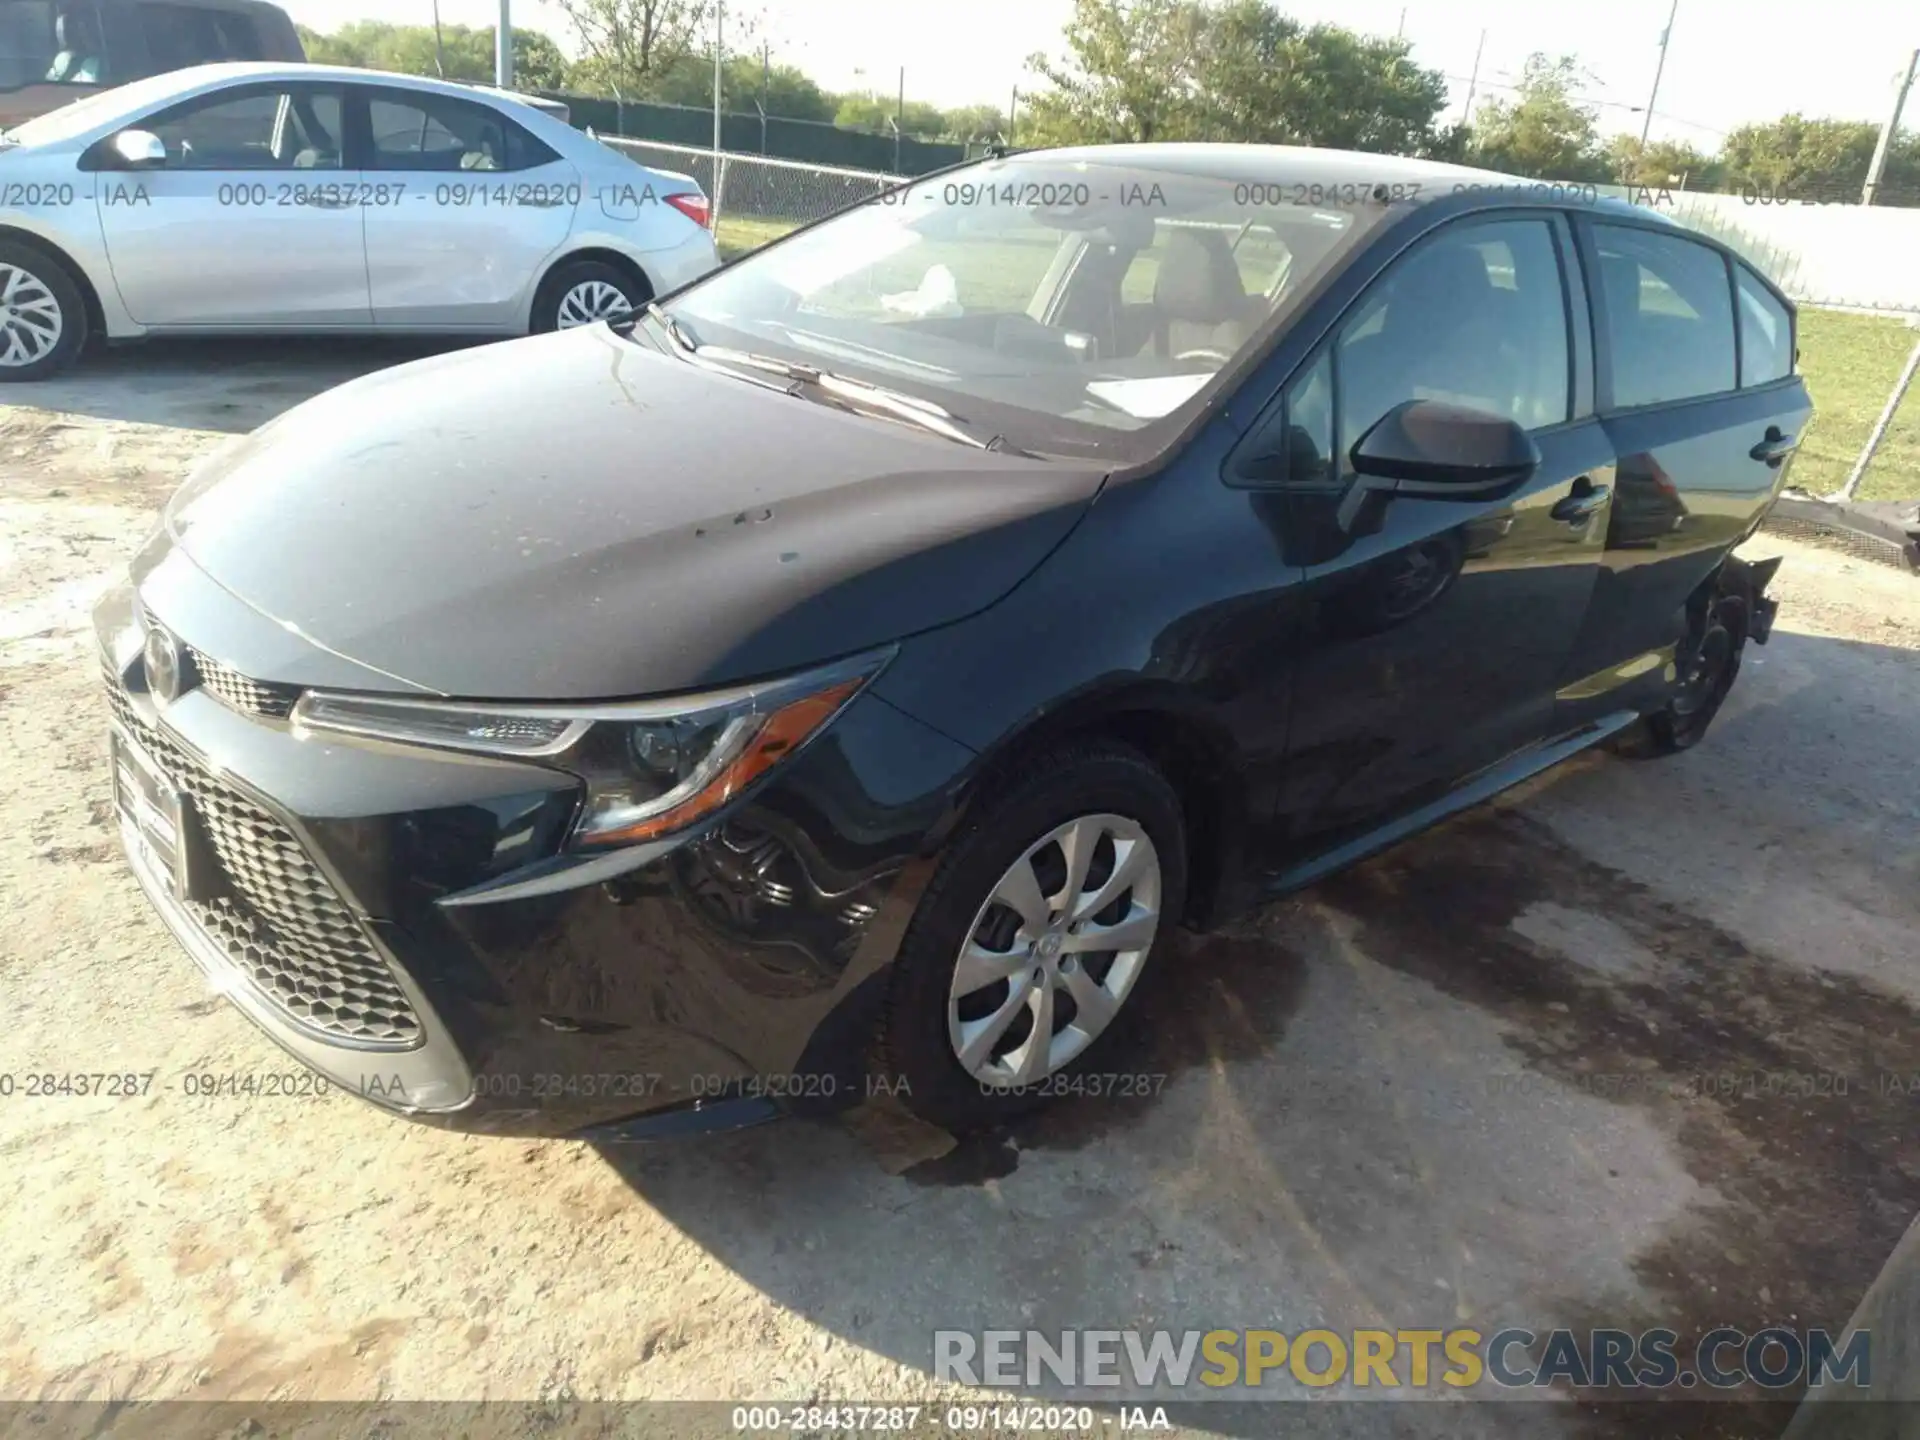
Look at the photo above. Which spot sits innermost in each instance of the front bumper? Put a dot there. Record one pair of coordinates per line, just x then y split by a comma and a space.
404, 922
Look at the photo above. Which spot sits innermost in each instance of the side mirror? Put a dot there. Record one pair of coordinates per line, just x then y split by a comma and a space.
1436, 451
138, 150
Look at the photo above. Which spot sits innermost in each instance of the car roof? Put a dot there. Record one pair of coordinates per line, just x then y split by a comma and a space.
1308, 165
232, 70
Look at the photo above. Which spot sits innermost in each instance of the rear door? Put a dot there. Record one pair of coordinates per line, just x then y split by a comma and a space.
251, 222
480, 207
1437, 630
1697, 388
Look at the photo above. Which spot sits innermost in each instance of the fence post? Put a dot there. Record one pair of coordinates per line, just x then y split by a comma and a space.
1880, 427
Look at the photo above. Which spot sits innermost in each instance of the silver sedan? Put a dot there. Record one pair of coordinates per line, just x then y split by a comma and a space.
264, 198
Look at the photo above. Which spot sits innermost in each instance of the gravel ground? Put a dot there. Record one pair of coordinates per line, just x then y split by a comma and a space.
1395, 1099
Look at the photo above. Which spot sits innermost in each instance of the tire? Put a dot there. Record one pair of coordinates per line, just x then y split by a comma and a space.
556, 304
38, 294
1104, 790
1709, 662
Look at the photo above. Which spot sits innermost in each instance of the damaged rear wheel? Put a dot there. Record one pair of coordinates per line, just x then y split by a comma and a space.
1706, 664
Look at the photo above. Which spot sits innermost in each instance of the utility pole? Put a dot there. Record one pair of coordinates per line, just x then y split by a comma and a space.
1887, 132
719, 32
1474, 82
1401, 34
900, 111
1646, 125
503, 48
1013, 114
439, 56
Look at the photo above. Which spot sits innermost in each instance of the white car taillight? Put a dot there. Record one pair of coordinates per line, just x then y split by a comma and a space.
694, 207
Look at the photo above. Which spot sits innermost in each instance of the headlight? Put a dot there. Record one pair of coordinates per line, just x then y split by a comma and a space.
651, 767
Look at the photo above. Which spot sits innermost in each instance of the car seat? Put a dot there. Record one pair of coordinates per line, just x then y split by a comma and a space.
1200, 303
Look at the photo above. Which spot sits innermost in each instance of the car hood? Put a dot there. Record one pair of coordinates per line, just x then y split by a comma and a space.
581, 516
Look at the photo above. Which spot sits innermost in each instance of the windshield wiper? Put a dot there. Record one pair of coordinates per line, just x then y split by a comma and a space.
861, 394
666, 322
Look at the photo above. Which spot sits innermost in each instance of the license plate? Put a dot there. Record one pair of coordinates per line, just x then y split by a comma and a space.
153, 811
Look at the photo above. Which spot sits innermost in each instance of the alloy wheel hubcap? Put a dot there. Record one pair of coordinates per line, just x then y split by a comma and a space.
30, 320
591, 301
1054, 951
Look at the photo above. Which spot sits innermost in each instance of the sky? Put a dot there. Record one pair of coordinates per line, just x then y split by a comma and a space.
1728, 62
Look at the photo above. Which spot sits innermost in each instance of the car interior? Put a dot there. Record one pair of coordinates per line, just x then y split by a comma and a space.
80, 59
285, 130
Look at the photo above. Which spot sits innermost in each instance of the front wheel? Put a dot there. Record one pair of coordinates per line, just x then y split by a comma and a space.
1039, 926
586, 292
43, 318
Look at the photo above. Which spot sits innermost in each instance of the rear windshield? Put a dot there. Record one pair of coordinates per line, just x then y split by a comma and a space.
1081, 309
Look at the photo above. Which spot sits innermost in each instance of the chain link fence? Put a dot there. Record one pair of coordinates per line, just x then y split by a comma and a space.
756, 199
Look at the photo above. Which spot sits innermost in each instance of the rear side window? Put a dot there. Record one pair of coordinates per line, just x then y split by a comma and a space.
435, 133
1668, 316
1766, 332
181, 35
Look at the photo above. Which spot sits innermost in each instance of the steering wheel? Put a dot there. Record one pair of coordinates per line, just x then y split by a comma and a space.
1205, 354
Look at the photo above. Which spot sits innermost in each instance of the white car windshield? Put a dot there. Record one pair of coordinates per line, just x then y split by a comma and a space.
1070, 308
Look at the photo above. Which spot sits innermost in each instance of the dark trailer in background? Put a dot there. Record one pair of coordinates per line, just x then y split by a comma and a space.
53, 52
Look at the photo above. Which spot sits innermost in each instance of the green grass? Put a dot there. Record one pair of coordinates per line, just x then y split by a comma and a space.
1850, 361
736, 236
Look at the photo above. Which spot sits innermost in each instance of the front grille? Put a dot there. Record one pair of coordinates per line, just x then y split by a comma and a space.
282, 926
241, 692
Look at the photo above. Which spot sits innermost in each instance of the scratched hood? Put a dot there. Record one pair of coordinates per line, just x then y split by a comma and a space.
580, 516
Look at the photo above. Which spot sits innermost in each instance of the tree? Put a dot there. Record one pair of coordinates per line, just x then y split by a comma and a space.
1805, 159
464, 52
975, 122
626, 46
1545, 133
784, 90
1661, 163
1239, 70
1131, 73
877, 113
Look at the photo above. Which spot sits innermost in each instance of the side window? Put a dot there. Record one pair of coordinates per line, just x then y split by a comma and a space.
1668, 316
1474, 316
1307, 413
1766, 332
181, 35
432, 132
269, 129
45, 41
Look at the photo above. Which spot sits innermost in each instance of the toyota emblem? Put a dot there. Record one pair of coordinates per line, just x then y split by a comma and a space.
162, 656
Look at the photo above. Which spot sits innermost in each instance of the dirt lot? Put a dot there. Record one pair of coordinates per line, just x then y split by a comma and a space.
1538, 1067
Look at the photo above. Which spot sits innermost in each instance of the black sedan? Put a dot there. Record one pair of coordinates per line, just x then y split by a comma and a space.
847, 672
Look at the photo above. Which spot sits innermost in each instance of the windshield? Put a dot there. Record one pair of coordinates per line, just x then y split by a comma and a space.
1076, 309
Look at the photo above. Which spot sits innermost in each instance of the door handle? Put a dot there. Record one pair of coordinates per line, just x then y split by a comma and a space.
1582, 503
1775, 447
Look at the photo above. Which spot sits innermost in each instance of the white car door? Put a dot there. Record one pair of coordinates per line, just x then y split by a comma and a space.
251, 221
486, 206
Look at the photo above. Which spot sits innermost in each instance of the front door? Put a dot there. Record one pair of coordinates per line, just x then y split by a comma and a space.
484, 207
250, 222
1434, 631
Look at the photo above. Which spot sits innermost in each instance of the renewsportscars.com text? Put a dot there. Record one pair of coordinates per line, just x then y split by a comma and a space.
1777, 1358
